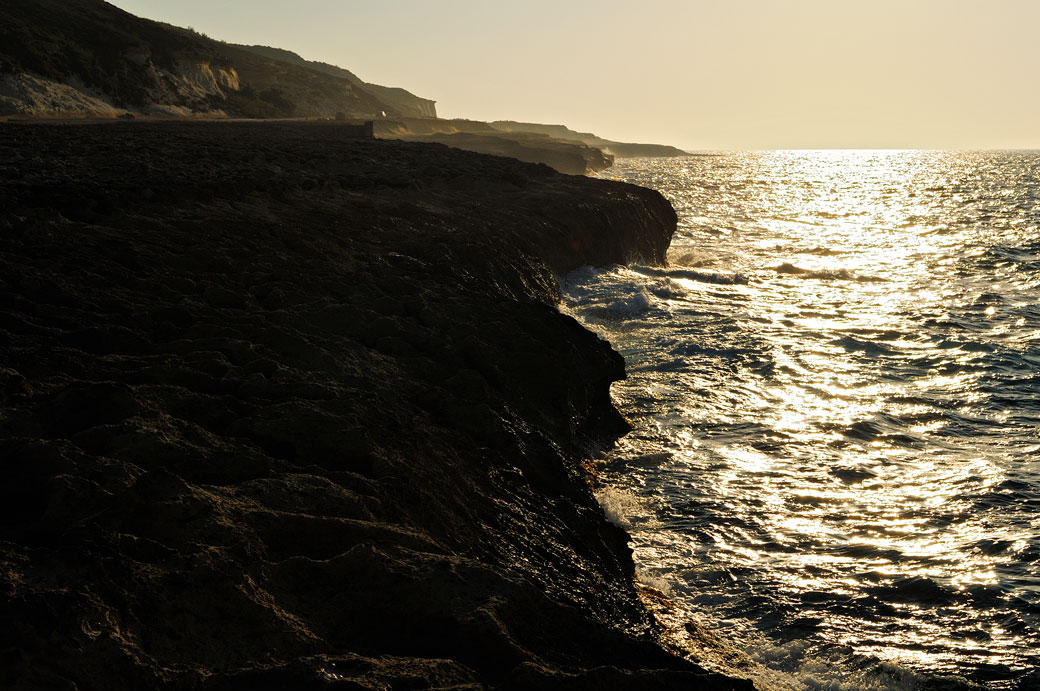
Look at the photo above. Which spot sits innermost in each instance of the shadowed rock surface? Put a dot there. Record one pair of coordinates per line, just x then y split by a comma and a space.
573, 158
286, 410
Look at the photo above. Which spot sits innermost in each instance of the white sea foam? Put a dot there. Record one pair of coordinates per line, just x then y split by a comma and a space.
690, 258
795, 665
623, 508
639, 301
656, 582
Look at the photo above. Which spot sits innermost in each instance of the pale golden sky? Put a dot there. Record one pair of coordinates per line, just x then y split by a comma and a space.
699, 74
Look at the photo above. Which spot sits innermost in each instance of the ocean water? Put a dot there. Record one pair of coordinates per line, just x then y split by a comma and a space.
835, 389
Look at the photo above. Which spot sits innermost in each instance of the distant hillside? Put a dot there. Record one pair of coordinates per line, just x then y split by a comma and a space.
87, 57
70, 58
619, 149
405, 102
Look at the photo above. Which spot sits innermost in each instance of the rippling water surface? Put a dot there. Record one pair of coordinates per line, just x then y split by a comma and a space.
835, 388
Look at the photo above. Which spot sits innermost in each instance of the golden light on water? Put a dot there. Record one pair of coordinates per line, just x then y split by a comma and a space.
826, 417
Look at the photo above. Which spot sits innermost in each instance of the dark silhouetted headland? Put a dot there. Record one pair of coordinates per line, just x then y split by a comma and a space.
287, 409
619, 149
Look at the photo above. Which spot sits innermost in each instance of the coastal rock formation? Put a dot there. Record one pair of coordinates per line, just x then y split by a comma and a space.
403, 101
618, 149
570, 157
573, 158
286, 409
89, 58
555, 145
28, 94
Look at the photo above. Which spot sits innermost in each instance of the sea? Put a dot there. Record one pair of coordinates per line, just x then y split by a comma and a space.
834, 386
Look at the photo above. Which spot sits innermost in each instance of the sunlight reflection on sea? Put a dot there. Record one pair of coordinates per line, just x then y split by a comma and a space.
835, 388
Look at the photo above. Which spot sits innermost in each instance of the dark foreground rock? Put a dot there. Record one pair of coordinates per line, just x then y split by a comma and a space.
283, 410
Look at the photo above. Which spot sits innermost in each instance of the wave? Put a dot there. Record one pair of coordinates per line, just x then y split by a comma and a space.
693, 275
827, 274
821, 251
816, 251
633, 304
870, 348
691, 259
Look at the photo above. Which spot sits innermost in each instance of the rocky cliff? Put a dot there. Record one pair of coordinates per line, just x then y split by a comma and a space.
573, 158
555, 145
284, 409
618, 149
404, 102
87, 57
71, 58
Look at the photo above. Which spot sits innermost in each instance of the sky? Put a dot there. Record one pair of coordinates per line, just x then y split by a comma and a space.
699, 74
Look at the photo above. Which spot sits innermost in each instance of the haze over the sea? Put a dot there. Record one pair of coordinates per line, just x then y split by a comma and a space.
699, 74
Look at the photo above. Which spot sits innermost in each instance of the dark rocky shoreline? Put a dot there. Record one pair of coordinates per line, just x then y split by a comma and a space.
282, 409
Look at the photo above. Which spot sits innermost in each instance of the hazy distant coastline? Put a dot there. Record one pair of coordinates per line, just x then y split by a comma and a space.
88, 59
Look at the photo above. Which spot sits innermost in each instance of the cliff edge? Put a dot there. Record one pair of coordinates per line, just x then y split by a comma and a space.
618, 149
286, 409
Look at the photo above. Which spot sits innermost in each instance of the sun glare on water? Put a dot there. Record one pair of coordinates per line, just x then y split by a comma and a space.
835, 453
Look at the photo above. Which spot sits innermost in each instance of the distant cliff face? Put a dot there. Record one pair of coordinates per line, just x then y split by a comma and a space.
405, 102
86, 57
619, 149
